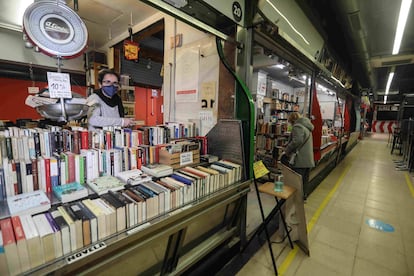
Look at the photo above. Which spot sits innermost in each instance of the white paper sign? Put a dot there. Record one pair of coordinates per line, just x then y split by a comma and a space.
59, 85
207, 121
187, 74
33, 89
186, 158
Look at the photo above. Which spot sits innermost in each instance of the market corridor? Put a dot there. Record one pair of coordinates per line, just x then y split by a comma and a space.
364, 192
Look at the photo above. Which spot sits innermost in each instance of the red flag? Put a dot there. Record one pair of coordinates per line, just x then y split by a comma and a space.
347, 121
317, 123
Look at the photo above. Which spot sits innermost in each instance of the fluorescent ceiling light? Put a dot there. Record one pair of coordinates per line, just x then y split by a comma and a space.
279, 66
337, 81
287, 21
390, 77
385, 99
402, 20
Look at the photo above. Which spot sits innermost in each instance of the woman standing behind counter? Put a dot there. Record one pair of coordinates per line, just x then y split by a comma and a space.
105, 106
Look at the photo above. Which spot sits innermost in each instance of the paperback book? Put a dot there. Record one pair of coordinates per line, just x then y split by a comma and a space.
103, 184
157, 170
133, 177
28, 203
70, 192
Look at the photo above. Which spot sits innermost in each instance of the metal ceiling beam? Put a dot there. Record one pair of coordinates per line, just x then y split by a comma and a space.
354, 26
175, 12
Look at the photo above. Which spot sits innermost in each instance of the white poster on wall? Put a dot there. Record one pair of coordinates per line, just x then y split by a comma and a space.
208, 94
207, 121
187, 74
327, 110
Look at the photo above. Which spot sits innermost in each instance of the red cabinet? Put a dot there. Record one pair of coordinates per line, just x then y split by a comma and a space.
148, 106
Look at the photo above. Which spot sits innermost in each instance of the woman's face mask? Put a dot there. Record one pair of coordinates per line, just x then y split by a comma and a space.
110, 90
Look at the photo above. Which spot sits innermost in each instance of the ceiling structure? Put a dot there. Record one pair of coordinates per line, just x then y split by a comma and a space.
359, 33
362, 35
105, 20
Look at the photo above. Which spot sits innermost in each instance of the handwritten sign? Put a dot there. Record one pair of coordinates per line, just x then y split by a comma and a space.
259, 169
59, 85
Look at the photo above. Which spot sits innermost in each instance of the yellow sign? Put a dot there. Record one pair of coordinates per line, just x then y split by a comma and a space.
131, 50
259, 169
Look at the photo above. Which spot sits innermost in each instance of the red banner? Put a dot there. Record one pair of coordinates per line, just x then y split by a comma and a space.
317, 123
347, 119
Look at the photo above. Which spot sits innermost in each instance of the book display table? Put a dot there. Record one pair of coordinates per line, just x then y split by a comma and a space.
169, 243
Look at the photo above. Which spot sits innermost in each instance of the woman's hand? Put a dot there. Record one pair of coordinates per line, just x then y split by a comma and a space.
127, 122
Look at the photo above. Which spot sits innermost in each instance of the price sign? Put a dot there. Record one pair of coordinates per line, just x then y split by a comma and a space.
59, 85
186, 158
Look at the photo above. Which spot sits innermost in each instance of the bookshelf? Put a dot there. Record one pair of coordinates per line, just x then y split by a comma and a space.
271, 128
127, 94
193, 222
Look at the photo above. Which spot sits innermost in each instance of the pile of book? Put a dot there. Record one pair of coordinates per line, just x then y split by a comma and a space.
28, 240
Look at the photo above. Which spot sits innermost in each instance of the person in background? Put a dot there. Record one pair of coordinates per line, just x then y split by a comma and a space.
300, 141
105, 106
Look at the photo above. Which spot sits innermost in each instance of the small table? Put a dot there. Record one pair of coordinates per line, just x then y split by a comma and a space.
281, 197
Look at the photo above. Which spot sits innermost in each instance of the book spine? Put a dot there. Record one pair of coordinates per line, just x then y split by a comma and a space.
76, 142
36, 138
84, 139
35, 175
3, 194
9, 148
47, 176
19, 178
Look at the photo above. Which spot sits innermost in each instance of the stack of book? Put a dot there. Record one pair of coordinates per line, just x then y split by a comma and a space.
106, 183
157, 170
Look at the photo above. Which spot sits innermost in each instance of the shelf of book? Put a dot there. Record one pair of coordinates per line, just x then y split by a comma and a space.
131, 217
202, 220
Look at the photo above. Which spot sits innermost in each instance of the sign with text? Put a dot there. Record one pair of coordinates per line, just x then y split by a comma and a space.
59, 85
234, 10
208, 94
85, 252
186, 158
259, 169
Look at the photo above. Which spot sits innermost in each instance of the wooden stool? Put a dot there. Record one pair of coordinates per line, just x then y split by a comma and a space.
281, 197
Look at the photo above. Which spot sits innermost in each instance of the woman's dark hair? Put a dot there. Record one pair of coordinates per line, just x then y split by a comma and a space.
104, 72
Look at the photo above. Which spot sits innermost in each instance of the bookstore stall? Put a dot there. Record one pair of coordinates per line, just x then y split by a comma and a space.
166, 194
286, 80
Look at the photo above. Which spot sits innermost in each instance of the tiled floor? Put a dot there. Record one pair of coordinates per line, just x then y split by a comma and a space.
365, 185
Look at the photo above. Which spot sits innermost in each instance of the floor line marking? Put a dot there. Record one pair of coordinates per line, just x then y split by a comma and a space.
292, 254
409, 183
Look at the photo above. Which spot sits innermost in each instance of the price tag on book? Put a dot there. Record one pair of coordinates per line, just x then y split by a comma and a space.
59, 85
186, 158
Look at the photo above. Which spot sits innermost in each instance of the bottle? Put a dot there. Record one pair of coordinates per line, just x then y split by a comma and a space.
278, 184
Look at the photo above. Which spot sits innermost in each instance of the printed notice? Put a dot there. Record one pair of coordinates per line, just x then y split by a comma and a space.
85, 252
259, 169
59, 85
187, 75
186, 158
208, 94
207, 121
